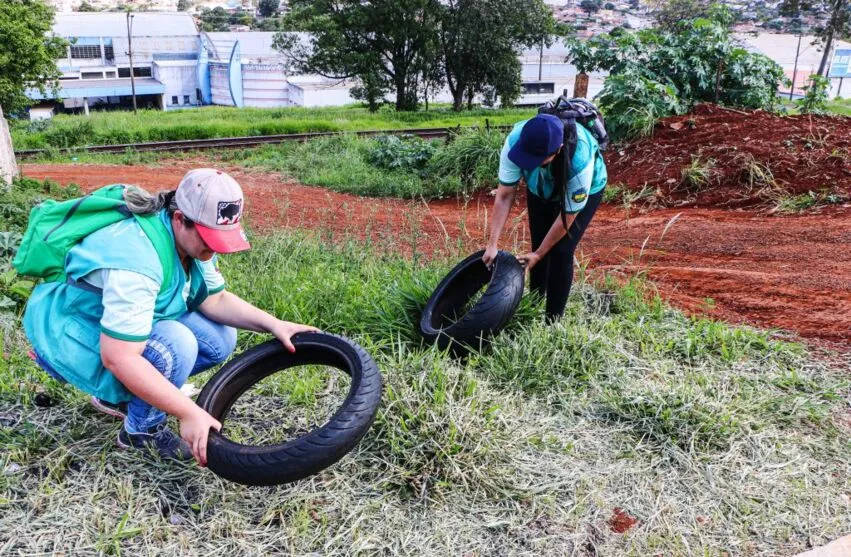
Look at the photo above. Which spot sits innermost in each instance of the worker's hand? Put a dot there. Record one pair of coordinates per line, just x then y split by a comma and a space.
529, 260
195, 430
284, 331
489, 256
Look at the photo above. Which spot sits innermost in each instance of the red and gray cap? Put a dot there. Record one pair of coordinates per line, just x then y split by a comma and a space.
213, 201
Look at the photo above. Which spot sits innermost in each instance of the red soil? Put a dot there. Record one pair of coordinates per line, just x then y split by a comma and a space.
803, 153
791, 273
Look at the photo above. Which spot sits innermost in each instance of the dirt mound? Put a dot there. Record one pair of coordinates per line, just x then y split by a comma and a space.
722, 157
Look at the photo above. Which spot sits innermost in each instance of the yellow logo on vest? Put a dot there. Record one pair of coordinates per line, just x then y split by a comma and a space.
579, 196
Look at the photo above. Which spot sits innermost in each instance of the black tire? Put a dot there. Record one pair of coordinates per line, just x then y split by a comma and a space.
505, 281
318, 449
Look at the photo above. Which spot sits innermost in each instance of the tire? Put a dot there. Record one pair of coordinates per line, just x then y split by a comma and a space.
505, 281
318, 449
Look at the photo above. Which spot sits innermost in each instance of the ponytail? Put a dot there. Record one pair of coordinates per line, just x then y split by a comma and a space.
140, 202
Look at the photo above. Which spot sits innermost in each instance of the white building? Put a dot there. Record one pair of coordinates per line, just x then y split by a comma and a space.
96, 69
244, 69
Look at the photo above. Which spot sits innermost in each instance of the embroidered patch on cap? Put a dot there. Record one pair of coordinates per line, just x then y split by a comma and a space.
229, 212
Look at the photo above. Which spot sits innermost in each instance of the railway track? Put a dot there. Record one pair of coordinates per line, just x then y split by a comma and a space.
237, 142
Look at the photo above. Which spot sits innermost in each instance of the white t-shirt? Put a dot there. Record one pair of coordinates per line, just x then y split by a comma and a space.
129, 298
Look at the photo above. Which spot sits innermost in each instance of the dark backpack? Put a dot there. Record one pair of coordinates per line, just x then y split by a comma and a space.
572, 112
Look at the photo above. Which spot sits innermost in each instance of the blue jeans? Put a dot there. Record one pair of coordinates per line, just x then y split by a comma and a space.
178, 349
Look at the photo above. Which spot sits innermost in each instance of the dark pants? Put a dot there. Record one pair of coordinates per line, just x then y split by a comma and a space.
553, 275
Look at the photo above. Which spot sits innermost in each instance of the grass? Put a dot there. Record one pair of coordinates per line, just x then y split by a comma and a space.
350, 164
113, 127
698, 175
788, 204
717, 438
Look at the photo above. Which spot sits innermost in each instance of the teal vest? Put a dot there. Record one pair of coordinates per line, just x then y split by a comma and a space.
62, 319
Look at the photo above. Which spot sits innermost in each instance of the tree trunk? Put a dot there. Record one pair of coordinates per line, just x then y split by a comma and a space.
836, 6
580, 86
718, 82
828, 46
8, 166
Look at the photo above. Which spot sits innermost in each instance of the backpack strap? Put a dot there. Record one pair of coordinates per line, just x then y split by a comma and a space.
160, 237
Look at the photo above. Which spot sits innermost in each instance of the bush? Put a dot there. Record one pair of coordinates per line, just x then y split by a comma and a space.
815, 96
633, 103
692, 62
472, 156
401, 153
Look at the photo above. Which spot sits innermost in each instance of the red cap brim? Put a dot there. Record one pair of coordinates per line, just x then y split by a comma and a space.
224, 241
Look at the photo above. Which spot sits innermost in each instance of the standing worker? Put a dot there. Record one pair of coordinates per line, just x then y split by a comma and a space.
559, 213
141, 311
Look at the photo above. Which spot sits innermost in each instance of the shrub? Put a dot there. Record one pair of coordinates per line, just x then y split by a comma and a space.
401, 153
473, 156
815, 96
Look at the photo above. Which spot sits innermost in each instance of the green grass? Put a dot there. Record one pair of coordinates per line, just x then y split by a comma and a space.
210, 122
717, 438
338, 163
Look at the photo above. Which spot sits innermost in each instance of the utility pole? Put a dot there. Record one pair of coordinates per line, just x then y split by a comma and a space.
130, 52
540, 59
795, 70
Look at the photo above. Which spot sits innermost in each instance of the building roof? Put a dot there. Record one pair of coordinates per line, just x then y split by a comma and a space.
101, 88
254, 46
114, 24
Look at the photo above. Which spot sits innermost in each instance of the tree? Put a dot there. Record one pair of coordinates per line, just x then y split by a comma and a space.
183, 5
216, 19
29, 51
380, 42
671, 13
835, 22
268, 8
609, 6
480, 42
590, 6
86, 7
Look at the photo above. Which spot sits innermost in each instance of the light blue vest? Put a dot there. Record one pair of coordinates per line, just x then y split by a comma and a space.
62, 319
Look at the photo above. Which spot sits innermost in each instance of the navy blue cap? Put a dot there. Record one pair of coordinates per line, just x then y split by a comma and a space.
540, 137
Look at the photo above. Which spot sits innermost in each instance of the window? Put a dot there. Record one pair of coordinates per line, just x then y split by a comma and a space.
92, 75
174, 99
198, 95
535, 88
85, 51
137, 72
69, 78
110, 74
185, 99
108, 52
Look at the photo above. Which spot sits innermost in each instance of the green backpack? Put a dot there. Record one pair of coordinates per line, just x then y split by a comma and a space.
57, 226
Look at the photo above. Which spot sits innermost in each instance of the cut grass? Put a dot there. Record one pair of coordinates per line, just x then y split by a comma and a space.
113, 127
718, 439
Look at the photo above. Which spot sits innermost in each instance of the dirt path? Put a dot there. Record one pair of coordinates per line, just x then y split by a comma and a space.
791, 273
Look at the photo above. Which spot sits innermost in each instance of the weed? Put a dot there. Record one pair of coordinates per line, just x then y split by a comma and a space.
753, 173
698, 175
784, 203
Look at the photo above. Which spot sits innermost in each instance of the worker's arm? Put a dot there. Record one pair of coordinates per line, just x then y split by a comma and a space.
229, 309
501, 208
